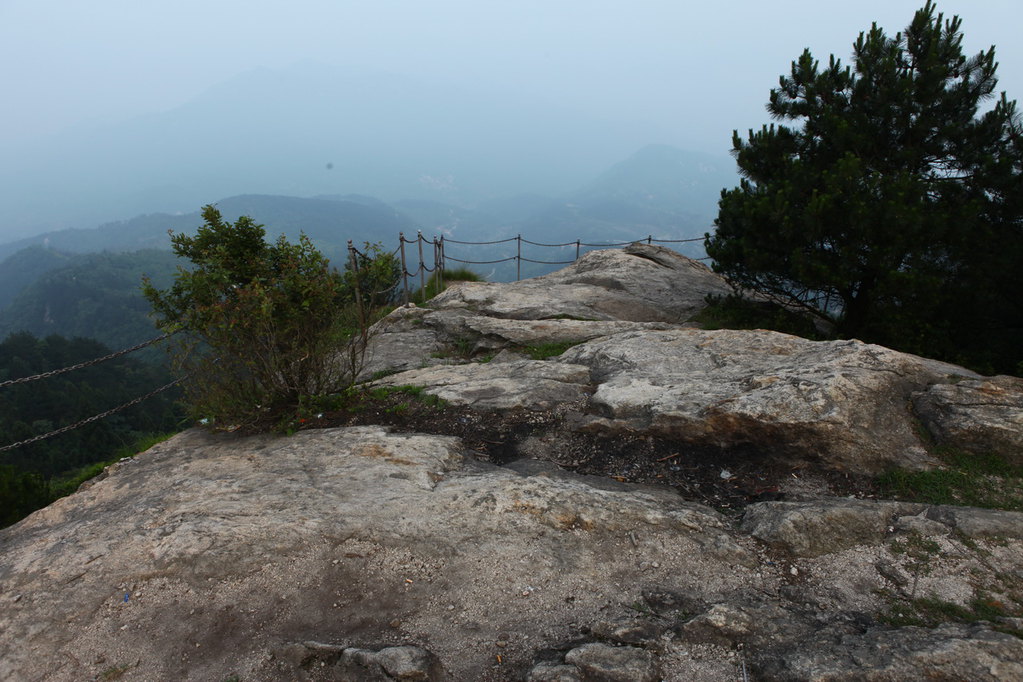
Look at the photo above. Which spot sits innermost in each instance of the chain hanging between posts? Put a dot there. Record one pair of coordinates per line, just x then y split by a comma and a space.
87, 363
71, 427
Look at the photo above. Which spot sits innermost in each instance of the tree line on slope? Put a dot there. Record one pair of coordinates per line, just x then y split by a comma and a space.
27, 473
892, 206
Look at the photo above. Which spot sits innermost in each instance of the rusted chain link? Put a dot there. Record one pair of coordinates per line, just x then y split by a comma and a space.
71, 427
87, 363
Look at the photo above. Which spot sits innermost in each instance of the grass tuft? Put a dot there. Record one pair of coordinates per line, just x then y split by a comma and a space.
987, 481
548, 350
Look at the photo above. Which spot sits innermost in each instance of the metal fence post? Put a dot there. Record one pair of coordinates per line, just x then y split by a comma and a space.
577, 248
518, 258
422, 266
438, 270
443, 258
353, 259
404, 268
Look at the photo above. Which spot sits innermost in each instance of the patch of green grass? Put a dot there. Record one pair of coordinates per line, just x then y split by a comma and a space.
381, 373
353, 399
459, 348
931, 612
915, 546
436, 283
419, 394
462, 275
973, 480
548, 350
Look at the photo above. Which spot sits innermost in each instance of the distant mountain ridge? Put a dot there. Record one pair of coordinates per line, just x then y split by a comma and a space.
47, 286
328, 222
664, 178
306, 130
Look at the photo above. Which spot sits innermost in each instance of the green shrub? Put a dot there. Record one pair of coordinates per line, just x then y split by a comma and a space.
265, 324
438, 282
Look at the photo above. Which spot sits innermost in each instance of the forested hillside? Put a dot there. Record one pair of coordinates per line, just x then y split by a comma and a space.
95, 296
38, 407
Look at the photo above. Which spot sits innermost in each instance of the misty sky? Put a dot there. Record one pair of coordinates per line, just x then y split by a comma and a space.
112, 108
694, 70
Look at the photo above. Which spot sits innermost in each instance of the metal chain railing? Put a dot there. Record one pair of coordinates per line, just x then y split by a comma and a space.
89, 420
439, 260
87, 363
440, 256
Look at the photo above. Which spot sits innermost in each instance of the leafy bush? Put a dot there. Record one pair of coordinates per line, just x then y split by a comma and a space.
266, 324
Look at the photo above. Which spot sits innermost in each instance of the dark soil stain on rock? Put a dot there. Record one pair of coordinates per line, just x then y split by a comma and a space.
726, 479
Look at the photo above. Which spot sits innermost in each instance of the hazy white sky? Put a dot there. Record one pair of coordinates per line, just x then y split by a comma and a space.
698, 69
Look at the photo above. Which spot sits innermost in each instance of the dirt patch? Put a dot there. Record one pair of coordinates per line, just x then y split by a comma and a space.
726, 479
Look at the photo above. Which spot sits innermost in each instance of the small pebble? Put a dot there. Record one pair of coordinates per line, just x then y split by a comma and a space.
395, 623
794, 571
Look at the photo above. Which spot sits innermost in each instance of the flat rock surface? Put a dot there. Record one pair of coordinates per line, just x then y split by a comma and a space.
208, 553
533, 384
212, 555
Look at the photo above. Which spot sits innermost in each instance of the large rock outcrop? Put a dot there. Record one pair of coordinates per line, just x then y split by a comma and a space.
856, 407
357, 549
371, 553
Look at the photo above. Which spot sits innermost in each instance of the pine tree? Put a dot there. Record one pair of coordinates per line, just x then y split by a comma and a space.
892, 205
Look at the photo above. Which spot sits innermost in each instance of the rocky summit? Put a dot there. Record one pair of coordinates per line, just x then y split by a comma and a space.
489, 549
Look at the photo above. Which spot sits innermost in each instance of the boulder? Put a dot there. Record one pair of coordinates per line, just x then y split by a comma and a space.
640, 283
809, 529
604, 663
977, 415
604, 292
844, 403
